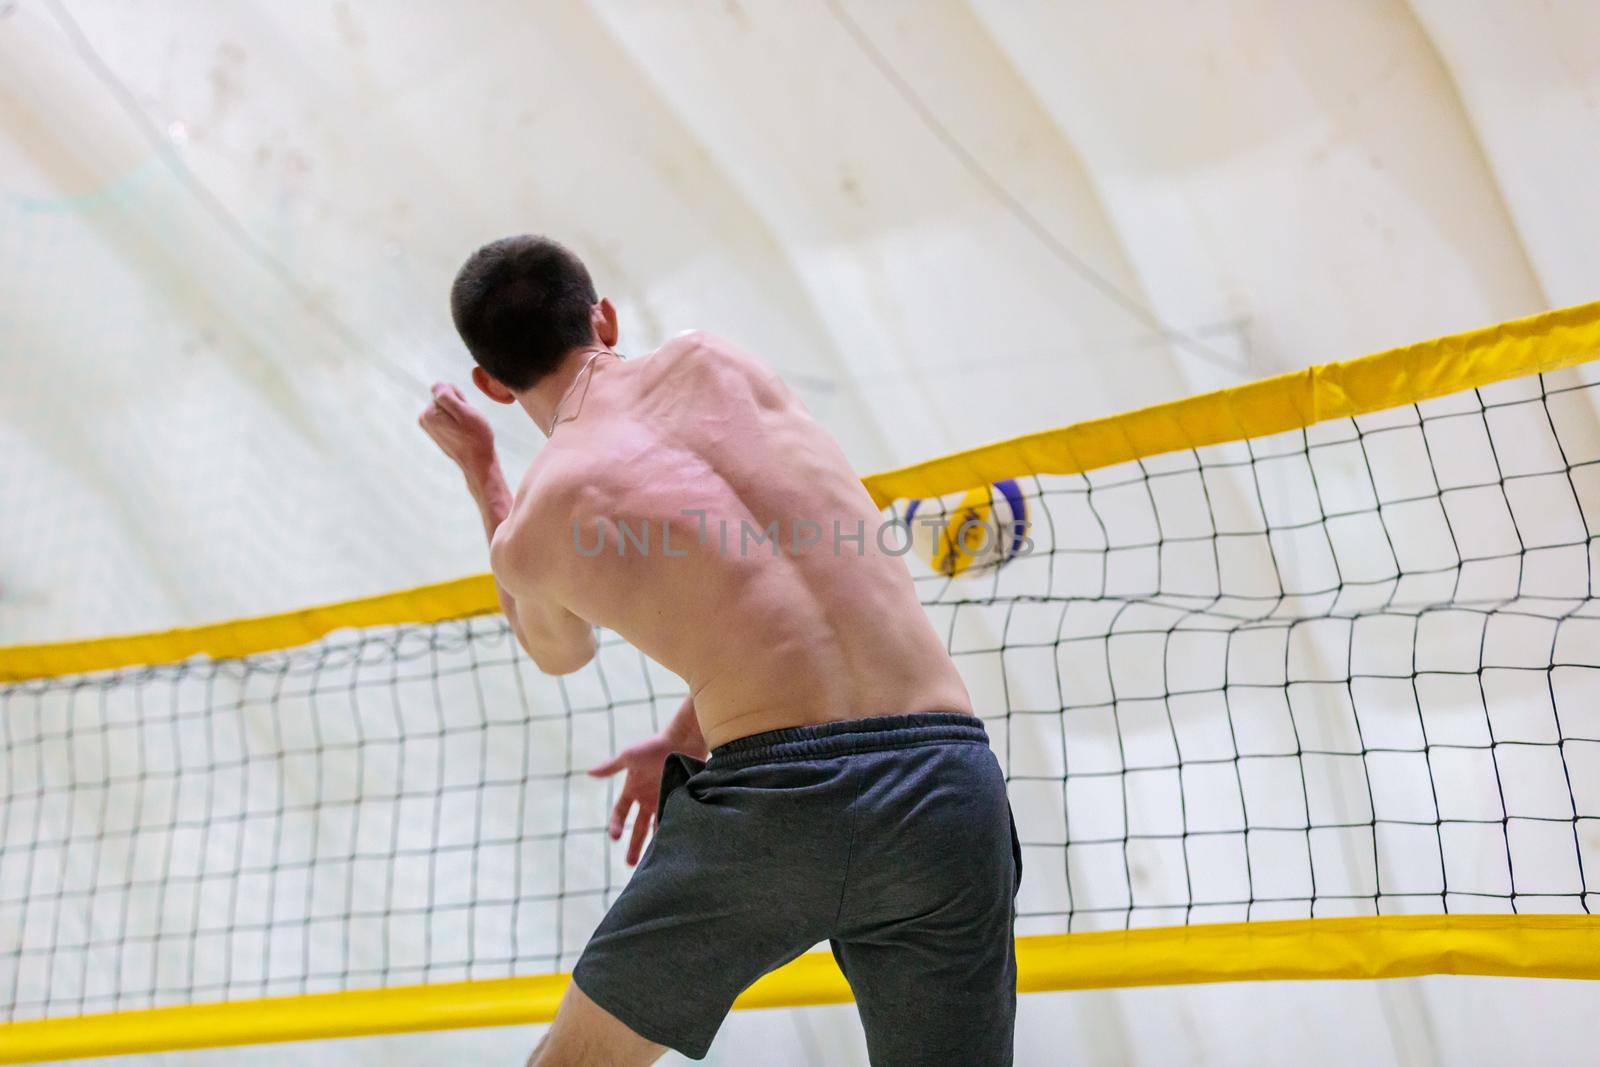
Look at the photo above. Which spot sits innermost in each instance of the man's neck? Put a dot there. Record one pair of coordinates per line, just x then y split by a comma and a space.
557, 395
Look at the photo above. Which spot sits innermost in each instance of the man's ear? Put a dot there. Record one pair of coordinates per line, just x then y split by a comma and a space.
491, 388
604, 317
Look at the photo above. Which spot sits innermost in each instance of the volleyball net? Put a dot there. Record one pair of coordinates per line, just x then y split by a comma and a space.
1297, 679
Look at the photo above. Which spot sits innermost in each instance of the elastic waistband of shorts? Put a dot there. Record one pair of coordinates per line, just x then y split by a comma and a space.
847, 736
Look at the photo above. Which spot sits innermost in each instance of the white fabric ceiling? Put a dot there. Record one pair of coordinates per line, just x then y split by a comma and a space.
227, 231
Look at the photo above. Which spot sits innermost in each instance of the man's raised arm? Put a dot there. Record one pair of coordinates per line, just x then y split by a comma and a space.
558, 641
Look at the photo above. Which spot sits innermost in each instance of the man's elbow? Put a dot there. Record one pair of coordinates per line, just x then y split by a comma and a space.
561, 659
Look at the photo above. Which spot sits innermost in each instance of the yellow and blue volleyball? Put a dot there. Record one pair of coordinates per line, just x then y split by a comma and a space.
981, 532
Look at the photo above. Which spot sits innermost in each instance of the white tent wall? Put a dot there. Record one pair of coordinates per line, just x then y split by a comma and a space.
227, 232
1526, 86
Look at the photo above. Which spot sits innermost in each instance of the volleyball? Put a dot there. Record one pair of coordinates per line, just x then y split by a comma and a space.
976, 534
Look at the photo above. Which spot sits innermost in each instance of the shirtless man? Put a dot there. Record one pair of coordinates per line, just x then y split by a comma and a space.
826, 779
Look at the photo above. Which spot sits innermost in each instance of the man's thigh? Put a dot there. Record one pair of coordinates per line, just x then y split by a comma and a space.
924, 1004
927, 941
743, 876
586, 1035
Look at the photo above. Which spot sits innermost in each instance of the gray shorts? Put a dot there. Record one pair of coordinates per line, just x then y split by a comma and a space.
891, 838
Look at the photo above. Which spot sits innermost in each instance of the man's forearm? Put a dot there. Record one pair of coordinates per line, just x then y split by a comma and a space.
683, 730
493, 497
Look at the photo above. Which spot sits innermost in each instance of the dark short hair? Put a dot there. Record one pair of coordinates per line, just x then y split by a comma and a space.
520, 304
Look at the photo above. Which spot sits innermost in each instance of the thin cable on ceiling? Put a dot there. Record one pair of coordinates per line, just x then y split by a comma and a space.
1059, 248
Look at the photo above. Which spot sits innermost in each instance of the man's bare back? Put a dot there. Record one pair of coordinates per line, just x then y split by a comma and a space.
692, 506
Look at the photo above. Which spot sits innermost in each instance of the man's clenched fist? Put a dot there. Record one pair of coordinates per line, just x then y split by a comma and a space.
459, 429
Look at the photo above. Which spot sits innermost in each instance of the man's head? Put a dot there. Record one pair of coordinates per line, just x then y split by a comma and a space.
521, 305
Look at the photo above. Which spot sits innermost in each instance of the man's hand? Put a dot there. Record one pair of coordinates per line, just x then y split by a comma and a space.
460, 431
641, 786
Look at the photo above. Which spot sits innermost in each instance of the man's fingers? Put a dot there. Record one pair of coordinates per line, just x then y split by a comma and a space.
641, 827
608, 768
619, 815
447, 401
450, 399
431, 414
